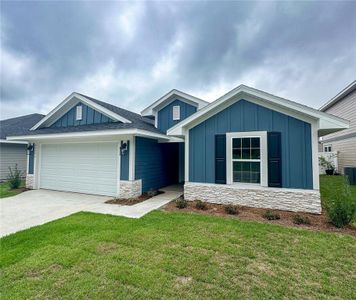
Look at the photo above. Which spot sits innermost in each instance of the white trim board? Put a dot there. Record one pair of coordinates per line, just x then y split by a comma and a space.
13, 142
66, 105
94, 133
242, 92
171, 96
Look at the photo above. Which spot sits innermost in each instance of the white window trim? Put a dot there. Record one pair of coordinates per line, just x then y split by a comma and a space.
79, 112
326, 146
176, 112
263, 160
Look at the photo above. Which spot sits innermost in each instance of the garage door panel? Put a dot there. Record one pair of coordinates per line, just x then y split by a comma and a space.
85, 168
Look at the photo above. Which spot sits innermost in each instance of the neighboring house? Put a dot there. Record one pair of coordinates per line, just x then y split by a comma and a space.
343, 105
247, 147
14, 153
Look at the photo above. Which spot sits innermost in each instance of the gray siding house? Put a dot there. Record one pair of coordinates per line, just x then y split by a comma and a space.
343, 105
15, 152
247, 147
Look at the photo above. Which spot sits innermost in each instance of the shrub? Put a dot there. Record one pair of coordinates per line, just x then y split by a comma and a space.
181, 203
231, 209
299, 219
270, 215
342, 209
201, 205
14, 177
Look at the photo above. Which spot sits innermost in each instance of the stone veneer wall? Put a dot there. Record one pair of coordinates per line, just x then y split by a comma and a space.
130, 188
30, 181
261, 197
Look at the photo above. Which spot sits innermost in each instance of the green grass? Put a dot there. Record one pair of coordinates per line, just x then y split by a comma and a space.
5, 190
333, 185
175, 255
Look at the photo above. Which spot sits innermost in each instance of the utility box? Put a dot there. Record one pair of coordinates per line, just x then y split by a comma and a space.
350, 172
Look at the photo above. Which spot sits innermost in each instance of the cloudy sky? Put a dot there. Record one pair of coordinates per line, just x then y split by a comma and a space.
130, 54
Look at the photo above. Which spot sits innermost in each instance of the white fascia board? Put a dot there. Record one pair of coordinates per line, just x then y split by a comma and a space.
149, 111
90, 103
89, 134
13, 142
262, 98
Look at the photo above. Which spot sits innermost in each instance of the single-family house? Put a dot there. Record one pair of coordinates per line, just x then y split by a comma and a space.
14, 153
343, 105
247, 147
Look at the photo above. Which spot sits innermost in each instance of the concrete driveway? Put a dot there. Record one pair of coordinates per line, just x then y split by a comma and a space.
37, 207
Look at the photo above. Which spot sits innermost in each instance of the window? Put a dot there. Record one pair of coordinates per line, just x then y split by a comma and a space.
79, 113
327, 148
247, 157
176, 112
246, 160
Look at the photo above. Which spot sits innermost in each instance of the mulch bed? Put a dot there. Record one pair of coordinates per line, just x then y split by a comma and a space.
133, 201
20, 190
318, 222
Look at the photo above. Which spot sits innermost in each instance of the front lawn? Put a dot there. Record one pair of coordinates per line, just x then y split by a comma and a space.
5, 190
175, 255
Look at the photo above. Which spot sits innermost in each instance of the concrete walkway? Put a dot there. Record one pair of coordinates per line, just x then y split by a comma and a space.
37, 207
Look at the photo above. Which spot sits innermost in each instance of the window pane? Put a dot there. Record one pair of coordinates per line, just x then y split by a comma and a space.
246, 143
236, 172
236, 153
248, 172
245, 172
255, 153
246, 153
255, 142
236, 143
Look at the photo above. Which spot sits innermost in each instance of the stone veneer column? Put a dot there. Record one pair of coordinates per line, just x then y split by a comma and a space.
30, 181
262, 197
130, 188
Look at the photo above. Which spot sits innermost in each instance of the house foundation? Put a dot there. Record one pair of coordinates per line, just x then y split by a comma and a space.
261, 197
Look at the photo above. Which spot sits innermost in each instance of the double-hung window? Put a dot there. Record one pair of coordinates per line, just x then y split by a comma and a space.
247, 157
246, 160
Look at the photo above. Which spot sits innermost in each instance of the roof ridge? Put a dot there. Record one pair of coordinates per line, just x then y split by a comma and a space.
24, 116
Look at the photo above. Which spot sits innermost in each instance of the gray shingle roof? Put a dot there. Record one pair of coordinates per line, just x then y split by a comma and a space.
18, 125
137, 122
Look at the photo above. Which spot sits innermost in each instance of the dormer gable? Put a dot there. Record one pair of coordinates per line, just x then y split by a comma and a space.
77, 110
172, 108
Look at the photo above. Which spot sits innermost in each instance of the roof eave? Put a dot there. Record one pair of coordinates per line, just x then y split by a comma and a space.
89, 134
347, 90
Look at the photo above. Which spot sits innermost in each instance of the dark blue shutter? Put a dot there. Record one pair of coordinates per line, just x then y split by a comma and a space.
220, 158
274, 159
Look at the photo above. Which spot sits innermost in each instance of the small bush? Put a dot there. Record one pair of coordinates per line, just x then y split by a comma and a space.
299, 219
231, 209
181, 203
201, 205
14, 177
270, 215
342, 210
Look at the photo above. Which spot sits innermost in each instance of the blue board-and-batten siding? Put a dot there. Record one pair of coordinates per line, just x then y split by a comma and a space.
246, 116
165, 115
156, 164
89, 116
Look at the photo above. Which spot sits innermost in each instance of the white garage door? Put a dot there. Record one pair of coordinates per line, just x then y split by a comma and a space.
80, 167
